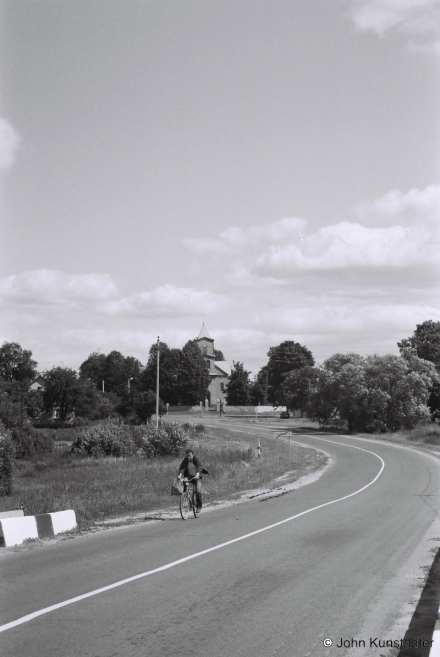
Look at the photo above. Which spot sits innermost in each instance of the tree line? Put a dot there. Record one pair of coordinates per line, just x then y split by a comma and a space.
104, 386
373, 393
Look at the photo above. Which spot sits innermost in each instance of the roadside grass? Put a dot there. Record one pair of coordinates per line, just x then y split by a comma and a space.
108, 487
426, 435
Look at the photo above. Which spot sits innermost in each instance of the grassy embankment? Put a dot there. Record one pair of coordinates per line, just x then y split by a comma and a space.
425, 435
99, 488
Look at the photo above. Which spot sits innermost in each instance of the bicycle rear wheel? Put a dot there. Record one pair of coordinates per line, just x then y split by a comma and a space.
184, 505
195, 508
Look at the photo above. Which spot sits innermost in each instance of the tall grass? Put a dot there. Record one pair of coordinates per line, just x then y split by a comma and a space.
99, 488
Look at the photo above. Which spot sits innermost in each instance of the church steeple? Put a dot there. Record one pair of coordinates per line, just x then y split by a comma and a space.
204, 333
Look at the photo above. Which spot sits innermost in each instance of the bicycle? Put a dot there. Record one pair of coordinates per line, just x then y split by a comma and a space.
188, 499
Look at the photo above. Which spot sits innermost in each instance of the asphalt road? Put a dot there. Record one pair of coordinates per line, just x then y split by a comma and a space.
331, 572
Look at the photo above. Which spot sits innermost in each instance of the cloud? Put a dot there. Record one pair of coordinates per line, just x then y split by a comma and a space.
165, 300
418, 20
51, 287
235, 239
9, 142
324, 320
394, 238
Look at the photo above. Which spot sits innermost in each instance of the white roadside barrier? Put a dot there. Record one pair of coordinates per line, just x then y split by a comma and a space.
17, 513
15, 530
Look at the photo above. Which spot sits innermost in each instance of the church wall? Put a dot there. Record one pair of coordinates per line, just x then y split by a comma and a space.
215, 389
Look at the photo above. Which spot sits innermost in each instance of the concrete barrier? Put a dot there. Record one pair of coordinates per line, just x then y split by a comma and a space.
63, 521
18, 513
14, 531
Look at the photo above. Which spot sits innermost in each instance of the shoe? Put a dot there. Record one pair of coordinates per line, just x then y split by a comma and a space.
199, 508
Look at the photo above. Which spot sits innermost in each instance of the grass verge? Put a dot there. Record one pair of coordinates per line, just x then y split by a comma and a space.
99, 488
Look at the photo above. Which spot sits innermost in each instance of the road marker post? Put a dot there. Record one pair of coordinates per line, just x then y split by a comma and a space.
259, 448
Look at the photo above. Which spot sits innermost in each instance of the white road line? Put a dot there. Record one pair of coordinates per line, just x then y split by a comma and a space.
59, 605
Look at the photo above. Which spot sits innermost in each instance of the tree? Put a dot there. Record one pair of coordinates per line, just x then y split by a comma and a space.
194, 375
16, 363
377, 393
145, 405
340, 394
66, 394
287, 356
238, 387
218, 355
297, 386
18, 404
94, 368
259, 387
169, 372
425, 343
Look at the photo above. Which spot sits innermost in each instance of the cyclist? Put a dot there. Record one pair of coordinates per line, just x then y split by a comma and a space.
192, 468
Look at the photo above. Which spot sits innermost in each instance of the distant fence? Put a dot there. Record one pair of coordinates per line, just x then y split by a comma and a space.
179, 409
53, 424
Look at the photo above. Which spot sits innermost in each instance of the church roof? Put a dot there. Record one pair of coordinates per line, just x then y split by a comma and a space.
204, 333
224, 366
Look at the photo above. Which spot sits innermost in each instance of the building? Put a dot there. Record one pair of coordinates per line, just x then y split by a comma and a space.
219, 370
37, 384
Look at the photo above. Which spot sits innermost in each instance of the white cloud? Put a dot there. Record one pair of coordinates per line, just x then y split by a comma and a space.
51, 287
325, 320
235, 239
418, 20
9, 142
395, 235
165, 300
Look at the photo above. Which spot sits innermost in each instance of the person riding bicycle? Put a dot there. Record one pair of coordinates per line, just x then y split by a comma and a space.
192, 469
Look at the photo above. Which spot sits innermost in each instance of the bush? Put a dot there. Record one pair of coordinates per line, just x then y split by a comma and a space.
30, 442
167, 439
7, 456
109, 438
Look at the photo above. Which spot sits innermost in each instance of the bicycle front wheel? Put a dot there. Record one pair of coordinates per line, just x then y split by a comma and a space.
184, 505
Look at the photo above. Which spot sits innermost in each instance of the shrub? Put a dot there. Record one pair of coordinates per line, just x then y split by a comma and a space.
7, 456
167, 439
30, 442
108, 438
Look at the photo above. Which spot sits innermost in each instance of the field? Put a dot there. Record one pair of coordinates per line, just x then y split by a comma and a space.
99, 488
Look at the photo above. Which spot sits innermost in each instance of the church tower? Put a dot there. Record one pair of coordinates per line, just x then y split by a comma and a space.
219, 370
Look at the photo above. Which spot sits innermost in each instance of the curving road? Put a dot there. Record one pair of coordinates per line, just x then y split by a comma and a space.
340, 571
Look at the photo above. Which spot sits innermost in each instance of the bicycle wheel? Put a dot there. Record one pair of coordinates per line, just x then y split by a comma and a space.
195, 508
184, 505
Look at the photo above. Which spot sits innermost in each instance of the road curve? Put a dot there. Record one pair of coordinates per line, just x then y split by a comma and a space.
279, 592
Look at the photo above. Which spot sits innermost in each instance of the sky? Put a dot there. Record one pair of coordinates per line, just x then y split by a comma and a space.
269, 167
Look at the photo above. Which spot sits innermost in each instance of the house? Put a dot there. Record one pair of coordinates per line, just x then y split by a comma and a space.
37, 384
219, 370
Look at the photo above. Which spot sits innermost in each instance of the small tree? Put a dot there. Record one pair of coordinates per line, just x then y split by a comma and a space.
238, 387
7, 462
284, 358
297, 387
16, 363
259, 387
194, 374
425, 343
169, 372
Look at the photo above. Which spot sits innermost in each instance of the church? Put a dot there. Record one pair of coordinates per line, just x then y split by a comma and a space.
219, 370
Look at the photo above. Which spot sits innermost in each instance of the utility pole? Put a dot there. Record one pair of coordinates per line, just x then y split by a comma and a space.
157, 384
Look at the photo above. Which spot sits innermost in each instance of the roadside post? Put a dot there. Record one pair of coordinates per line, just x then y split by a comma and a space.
167, 405
286, 434
259, 448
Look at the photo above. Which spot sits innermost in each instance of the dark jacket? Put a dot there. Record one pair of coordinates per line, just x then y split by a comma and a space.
184, 467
